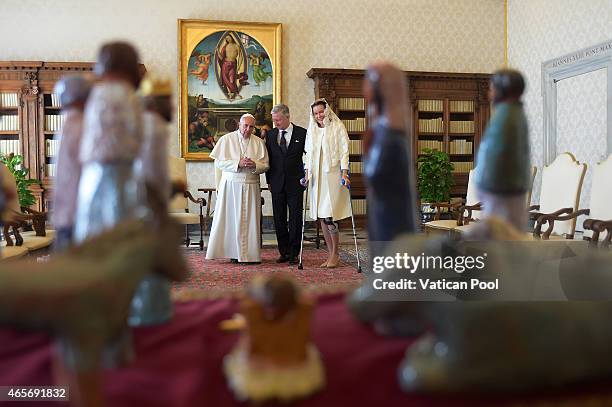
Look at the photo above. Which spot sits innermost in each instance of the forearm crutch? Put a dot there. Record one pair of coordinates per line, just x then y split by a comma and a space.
353, 223
300, 265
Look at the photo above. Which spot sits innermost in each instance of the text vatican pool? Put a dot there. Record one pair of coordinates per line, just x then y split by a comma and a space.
433, 284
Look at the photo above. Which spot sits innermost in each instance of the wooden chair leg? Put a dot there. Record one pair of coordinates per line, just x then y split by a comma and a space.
187, 240
201, 244
18, 238
7, 236
317, 240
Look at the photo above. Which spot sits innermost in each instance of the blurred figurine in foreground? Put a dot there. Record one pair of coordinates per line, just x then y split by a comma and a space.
503, 164
275, 358
73, 92
112, 137
152, 304
388, 168
83, 295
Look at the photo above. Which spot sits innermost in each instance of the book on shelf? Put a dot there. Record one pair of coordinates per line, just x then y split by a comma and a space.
9, 146
53, 122
425, 105
431, 144
55, 102
461, 106
52, 147
461, 126
351, 104
360, 206
9, 122
460, 147
9, 99
462, 167
431, 125
355, 147
50, 170
356, 167
355, 125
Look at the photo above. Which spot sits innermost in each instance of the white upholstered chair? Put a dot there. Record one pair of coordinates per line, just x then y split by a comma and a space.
599, 210
179, 205
559, 195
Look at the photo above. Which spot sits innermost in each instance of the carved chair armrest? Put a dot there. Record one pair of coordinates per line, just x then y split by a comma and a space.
464, 219
534, 208
598, 226
199, 201
550, 218
439, 205
537, 215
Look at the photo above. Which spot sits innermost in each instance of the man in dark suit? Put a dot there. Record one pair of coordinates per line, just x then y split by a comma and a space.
285, 144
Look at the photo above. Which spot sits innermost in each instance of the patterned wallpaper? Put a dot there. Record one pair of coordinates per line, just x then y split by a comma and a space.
581, 123
539, 30
429, 35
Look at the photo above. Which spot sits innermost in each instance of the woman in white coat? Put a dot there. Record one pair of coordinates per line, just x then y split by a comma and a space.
327, 174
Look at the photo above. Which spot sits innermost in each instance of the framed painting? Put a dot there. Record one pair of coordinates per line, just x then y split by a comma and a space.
225, 69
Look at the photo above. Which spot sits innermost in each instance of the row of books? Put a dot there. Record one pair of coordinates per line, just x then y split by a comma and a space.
431, 125
55, 102
9, 100
430, 105
52, 147
9, 122
460, 147
50, 170
356, 167
351, 104
360, 207
53, 122
461, 126
355, 147
461, 106
10, 146
431, 144
355, 125
463, 167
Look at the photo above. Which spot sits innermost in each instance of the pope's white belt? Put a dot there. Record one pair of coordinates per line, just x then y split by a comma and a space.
241, 177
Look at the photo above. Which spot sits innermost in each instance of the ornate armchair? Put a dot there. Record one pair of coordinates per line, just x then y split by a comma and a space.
179, 206
559, 198
599, 211
14, 215
462, 212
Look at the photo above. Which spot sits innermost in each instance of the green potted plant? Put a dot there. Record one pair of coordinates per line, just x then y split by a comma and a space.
14, 163
434, 179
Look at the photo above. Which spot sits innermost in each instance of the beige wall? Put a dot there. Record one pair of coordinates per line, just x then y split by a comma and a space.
540, 30
430, 35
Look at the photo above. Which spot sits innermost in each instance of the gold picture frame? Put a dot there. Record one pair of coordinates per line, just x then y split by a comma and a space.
225, 69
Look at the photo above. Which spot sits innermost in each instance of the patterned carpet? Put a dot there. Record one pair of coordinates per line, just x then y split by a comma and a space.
220, 278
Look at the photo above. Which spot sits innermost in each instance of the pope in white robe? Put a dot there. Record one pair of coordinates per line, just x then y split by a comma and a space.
235, 230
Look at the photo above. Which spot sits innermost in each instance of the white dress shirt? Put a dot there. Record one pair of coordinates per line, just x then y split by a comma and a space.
288, 132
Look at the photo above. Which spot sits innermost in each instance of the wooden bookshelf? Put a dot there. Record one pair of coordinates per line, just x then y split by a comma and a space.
449, 112
31, 83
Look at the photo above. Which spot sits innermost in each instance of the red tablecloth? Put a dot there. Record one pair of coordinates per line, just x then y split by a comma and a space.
179, 364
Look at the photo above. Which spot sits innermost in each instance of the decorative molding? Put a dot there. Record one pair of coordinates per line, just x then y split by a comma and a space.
567, 66
31, 86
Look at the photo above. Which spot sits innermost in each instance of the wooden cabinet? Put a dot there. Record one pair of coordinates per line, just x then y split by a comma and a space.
449, 113
29, 85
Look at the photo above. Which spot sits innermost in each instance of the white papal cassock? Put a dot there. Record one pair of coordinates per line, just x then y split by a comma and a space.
235, 228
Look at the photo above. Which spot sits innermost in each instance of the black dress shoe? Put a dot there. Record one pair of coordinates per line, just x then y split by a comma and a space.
282, 259
234, 261
293, 261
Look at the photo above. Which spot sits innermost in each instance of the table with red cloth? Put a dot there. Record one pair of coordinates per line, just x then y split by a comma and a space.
179, 364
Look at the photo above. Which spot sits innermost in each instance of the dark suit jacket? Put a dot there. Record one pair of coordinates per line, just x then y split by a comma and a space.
286, 170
